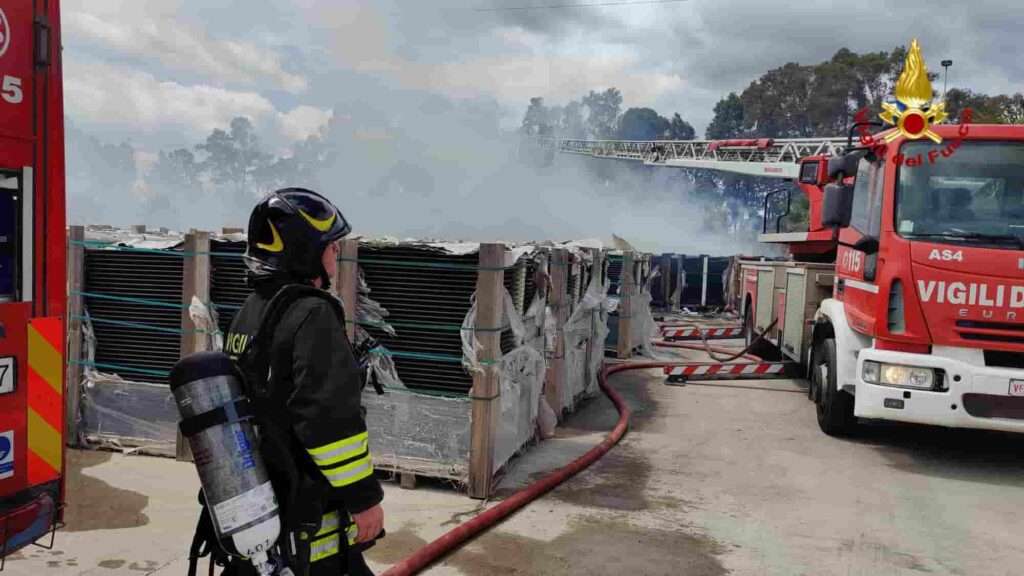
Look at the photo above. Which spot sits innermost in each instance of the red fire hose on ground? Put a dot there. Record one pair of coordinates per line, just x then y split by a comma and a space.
467, 530
701, 348
462, 533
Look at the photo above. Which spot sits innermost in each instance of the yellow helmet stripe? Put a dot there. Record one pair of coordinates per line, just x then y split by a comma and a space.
276, 245
321, 225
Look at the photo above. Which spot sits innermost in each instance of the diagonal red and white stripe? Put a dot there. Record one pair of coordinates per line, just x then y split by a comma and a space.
694, 333
727, 370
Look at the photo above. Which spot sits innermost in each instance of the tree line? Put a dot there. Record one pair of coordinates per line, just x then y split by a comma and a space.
791, 101
597, 115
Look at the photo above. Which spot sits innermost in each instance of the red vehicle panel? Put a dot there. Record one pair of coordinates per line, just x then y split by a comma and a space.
32, 272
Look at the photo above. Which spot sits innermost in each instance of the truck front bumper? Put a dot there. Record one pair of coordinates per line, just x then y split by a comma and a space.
974, 396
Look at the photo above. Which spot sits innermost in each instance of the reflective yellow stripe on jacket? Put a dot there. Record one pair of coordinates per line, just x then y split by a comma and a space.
327, 543
345, 461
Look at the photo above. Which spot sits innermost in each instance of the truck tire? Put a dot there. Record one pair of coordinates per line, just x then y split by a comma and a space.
834, 406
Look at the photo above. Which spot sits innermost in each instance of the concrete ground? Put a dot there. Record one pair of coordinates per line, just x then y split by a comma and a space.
724, 478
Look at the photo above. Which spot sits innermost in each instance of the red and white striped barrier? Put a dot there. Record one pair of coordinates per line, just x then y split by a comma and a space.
726, 371
694, 333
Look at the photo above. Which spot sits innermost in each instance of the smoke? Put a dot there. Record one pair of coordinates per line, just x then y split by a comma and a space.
415, 165
411, 164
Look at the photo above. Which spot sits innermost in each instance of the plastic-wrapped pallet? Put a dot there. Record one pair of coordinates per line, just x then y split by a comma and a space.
585, 333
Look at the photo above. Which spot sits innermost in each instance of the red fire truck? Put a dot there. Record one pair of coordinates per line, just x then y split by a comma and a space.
904, 297
32, 273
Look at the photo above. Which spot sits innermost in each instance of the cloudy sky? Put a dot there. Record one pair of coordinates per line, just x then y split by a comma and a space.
165, 72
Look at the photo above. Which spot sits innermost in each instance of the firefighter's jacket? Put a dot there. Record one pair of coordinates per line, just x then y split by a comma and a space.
315, 387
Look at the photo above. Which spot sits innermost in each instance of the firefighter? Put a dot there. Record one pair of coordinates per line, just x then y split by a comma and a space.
313, 435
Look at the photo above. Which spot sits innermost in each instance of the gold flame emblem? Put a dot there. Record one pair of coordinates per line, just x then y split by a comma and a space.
914, 113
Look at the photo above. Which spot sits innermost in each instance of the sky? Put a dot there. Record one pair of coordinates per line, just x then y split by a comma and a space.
179, 68
162, 74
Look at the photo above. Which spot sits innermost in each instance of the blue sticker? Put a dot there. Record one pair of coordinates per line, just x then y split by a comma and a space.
6, 454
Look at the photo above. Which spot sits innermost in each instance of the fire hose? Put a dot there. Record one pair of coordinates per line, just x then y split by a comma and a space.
474, 526
469, 529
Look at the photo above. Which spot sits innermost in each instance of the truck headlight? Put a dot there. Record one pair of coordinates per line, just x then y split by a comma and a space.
896, 375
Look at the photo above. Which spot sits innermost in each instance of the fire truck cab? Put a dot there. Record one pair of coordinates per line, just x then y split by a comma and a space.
32, 273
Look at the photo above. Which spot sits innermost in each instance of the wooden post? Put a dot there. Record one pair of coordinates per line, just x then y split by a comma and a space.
486, 382
347, 283
73, 375
627, 288
559, 268
195, 281
665, 266
593, 345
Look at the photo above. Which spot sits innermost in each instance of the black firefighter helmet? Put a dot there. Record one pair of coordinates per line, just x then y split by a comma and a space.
288, 232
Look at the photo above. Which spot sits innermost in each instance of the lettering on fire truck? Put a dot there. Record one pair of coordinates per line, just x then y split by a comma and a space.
852, 261
947, 255
10, 86
973, 294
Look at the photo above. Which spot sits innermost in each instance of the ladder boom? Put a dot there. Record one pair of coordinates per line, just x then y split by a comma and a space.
773, 158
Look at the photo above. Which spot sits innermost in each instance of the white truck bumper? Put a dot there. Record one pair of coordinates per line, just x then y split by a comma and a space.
975, 396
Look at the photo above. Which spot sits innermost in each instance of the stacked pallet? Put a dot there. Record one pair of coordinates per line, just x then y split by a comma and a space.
428, 291
469, 343
130, 291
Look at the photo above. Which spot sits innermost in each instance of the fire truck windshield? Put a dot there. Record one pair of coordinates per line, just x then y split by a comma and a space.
975, 196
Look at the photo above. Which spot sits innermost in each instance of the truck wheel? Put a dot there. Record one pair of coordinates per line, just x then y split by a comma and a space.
834, 406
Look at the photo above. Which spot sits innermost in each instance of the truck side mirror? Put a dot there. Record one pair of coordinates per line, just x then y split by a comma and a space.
867, 245
837, 206
845, 165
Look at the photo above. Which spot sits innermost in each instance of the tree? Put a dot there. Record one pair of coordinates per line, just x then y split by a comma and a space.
985, 109
572, 124
775, 105
234, 157
680, 129
728, 119
642, 124
176, 169
536, 122
101, 179
798, 100
602, 112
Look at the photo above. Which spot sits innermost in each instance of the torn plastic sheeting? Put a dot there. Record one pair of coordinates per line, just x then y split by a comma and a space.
204, 318
419, 433
452, 248
118, 237
118, 413
521, 380
471, 345
513, 254
592, 243
585, 332
369, 311
646, 329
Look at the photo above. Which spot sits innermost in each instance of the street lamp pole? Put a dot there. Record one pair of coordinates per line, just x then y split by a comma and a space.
945, 67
